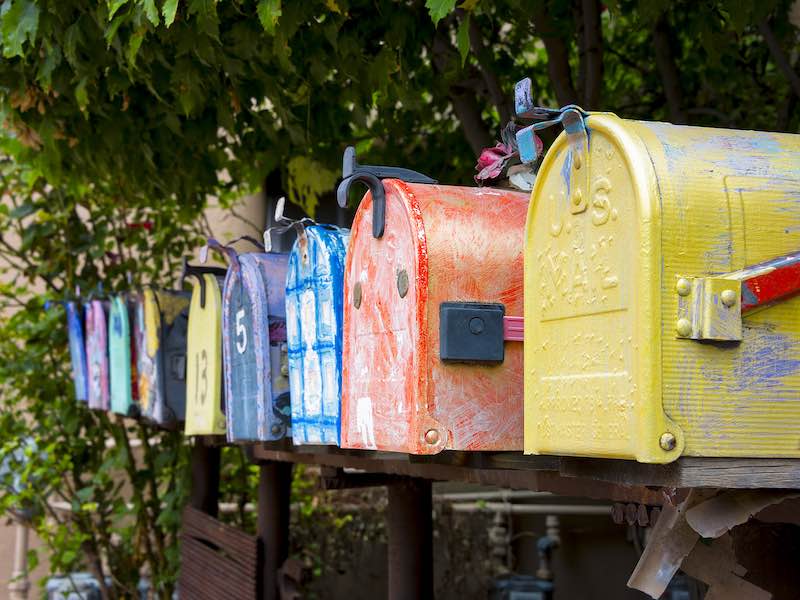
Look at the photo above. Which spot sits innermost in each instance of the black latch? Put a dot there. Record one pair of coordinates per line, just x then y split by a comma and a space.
471, 332
371, 176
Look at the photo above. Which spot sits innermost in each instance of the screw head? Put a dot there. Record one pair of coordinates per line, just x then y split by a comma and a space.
275, 429
683, 287
432, 437
402, 283
683, 327
728, 297
667, 441
357, 294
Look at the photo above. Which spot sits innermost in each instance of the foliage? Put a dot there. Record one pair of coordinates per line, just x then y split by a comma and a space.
122, 117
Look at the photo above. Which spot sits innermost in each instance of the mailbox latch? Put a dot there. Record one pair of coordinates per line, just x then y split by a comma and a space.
472, 332
711, 308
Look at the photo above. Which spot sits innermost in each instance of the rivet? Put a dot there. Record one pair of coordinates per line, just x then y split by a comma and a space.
728, 297
432, 437
667, 441
684, 327
275, 429
576, 161
402, 283
357, 294
577, 197
683, 287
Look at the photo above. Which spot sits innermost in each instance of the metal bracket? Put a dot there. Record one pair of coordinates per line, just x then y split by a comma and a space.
197, 271
711, 308
371, 175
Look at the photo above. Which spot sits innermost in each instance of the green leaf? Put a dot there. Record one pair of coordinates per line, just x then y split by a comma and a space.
168, 10
269, 11
20, 23
151, 12
114, 6
439, 9
462, 38
133, 46
469, 4
81, 95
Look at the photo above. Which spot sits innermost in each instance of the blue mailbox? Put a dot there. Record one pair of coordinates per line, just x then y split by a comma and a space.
314, 296
77, 349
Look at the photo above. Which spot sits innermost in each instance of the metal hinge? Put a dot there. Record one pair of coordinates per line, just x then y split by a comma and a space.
711, 308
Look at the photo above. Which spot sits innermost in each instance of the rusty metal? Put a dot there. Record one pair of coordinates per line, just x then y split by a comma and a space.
217, 560
410, 529
274, 487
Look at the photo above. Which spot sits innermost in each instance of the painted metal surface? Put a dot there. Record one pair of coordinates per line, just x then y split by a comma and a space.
609, 373
97, 355
160, 333
314, 296
257, 406
77, 350
121, 353
204, 415
440, 244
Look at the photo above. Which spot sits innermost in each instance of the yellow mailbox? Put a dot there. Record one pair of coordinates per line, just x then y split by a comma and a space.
661, 264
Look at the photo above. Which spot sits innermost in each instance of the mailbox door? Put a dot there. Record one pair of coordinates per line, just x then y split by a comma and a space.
97, 355
204, 414
119, 351
591, 282
77, 350
249, 353
384, 378
314, 299
475, 239
148, 346
175, 323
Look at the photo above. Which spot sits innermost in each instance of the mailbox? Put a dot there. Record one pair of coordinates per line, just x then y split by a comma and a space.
660, 267
160, 333
204, 405
97, 355
77, 349
122, 356
257, 406
432, 304
314, 298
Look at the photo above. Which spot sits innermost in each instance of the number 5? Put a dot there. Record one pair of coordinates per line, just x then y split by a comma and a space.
241, 332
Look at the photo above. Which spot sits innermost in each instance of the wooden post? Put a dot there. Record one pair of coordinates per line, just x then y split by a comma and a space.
205, 477
410, 528
274, 490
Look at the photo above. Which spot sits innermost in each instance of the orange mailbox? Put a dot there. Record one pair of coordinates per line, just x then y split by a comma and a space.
432, 315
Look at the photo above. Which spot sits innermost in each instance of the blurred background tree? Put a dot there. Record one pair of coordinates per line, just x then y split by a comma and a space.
121, 119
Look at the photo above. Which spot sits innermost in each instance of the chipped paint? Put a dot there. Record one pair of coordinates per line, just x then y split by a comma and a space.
314, 316
97, 355
257, 406
77, 350
607, 372
455, 244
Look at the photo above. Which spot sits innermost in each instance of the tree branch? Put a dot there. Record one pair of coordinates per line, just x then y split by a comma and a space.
668, 70
778, 55
591, 56
501, 101
557, 55
463, 99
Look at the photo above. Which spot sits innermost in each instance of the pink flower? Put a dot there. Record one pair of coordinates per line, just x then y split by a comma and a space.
491, 162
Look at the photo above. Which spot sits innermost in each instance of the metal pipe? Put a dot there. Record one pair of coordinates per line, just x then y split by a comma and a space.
410, 528
272, 526
504, 495
19, 585
531, 509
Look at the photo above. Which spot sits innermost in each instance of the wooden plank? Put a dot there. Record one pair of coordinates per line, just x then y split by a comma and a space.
217, 560
436, 469
690, 472
623, 480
